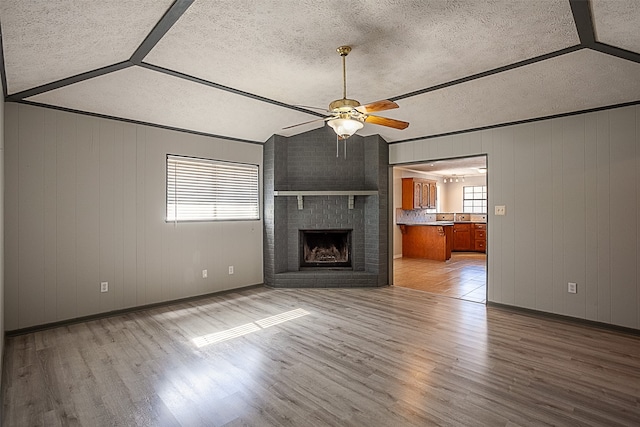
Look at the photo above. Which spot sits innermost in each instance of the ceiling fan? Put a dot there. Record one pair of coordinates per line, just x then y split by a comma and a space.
347, 116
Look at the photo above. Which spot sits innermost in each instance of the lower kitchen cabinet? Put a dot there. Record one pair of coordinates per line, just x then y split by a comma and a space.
468, 237
462, 237
479, 237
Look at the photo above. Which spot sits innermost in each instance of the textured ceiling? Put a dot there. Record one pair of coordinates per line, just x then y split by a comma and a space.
44, 41
240, 69
397, 48
617, 23
143, 95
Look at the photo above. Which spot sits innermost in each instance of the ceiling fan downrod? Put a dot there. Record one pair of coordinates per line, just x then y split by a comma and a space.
344, 51
344, 106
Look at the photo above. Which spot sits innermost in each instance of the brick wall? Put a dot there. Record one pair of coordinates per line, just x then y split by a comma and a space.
308, 162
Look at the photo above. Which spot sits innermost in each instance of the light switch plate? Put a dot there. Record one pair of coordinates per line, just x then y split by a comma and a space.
501, 210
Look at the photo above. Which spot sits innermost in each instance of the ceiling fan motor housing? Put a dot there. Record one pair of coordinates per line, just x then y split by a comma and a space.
343, 105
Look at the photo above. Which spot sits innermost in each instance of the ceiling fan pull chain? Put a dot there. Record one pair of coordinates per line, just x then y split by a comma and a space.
337, 147
345, 149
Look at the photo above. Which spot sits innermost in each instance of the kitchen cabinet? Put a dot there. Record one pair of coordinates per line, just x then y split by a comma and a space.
479, 237
430, 241
418, 193
433, 194
462, 237
470, 237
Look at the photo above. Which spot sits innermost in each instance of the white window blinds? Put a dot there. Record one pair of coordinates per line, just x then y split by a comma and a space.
211, 190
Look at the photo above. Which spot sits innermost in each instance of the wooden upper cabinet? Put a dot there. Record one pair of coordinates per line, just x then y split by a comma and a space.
425, 195
411, 194
432, 194
418, 194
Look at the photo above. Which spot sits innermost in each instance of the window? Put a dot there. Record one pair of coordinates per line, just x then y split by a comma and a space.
474, 199
211, 190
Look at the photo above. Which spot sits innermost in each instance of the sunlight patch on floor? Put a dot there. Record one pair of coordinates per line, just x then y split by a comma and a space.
248, 328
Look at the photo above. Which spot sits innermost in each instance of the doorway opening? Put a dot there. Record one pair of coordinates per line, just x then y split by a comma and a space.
462, 204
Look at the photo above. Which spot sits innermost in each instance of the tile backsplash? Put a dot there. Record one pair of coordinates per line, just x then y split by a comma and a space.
444, 217
421, 216
417, 216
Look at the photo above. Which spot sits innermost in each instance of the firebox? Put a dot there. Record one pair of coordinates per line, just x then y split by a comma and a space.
325, 249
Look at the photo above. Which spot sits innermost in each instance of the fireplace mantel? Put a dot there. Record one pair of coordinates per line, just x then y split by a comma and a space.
299, 194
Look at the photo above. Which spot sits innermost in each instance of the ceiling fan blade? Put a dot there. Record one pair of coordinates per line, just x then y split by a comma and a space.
383, 121
382, 105
306, 123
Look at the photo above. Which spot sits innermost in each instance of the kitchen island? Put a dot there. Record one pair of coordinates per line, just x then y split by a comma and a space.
431, 240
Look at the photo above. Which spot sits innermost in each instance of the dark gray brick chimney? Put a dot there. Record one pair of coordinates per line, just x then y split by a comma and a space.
308, 162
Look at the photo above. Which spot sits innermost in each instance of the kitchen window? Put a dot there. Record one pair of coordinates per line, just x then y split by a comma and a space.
474, 199
211, 190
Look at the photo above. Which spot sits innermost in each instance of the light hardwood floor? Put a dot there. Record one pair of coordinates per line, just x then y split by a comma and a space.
464, 276
345, 357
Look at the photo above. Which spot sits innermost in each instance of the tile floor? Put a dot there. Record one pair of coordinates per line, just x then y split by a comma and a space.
464, 276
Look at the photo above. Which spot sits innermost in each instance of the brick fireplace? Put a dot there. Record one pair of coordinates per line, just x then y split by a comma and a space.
307, 189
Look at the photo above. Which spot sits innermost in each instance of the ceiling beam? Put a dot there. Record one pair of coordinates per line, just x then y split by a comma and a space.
490, 72
581, 10
198, 80
3, 74
136, 122
68, 81
616, 51
177, 9
518, 122
583, 19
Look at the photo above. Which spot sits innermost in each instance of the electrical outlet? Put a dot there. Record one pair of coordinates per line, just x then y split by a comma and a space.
572, 288
501, 210
204, 274
231, 269
104, 286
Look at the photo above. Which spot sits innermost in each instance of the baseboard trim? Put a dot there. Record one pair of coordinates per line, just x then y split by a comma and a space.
563, 318
98, 316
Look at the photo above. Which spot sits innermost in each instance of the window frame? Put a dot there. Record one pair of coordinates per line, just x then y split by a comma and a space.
482, 192
255, 193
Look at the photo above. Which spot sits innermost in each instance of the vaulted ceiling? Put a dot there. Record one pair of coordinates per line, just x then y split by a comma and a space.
244, 69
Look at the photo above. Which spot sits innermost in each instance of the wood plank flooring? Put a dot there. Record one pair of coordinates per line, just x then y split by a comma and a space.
323, 357
464, 276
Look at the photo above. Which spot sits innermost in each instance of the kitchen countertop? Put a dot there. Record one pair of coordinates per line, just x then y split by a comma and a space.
441, 223
470, 222
436, 223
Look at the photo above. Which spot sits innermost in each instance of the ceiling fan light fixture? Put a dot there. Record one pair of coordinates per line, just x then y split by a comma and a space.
344, 128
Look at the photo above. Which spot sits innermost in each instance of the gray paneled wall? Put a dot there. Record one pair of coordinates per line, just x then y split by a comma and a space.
1, 234
572, 191
85, 203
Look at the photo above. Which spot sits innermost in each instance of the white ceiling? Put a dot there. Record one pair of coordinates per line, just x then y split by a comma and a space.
237, 68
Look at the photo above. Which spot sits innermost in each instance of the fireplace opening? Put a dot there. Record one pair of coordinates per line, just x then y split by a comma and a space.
325, 248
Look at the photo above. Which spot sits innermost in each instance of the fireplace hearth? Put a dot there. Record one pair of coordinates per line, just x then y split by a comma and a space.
325, 249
